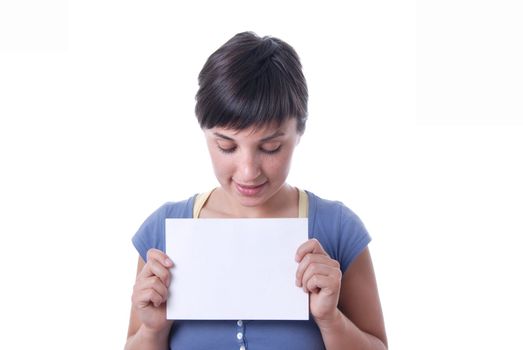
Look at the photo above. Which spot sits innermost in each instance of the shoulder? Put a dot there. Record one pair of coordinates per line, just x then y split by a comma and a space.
177, 209
326, 209
151, 232
340, 231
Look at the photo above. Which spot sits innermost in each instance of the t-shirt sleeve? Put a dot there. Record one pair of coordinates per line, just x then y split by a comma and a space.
353, 238
151, 233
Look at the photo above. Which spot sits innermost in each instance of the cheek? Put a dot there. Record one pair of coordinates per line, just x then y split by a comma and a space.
220, 164
280, 166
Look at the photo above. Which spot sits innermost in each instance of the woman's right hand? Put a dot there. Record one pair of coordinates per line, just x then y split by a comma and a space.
151, 289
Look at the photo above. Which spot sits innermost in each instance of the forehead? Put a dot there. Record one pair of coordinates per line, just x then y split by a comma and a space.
258, 132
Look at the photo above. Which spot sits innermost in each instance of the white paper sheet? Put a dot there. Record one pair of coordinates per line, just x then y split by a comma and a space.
239, 269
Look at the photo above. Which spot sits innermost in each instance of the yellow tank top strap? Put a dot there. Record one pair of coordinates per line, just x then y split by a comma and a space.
303, 204
199, 202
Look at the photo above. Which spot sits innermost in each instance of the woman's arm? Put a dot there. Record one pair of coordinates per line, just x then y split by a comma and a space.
358, 322
345, 307
148, 327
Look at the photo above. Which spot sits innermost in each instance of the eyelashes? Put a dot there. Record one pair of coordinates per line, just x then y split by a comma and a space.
263, 150
271, 151
227, 150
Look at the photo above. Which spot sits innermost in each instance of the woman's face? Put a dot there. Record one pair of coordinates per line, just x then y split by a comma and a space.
252, 165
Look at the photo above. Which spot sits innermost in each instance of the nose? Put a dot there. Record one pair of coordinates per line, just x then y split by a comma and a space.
249, 168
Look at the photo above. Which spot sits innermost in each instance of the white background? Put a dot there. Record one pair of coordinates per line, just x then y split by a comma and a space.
416, 119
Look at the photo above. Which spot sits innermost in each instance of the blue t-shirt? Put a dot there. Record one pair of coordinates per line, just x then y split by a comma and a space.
336, 227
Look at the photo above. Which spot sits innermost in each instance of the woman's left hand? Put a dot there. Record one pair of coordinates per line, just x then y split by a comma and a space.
320, 276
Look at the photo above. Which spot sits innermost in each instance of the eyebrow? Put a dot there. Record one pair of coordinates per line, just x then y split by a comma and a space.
265, 139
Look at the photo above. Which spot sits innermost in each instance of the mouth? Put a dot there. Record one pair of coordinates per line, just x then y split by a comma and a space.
249, 190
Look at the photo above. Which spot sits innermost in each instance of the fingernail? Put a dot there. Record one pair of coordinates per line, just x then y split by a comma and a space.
168, 262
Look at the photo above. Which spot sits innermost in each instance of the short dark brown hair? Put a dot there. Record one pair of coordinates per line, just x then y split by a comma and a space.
251, 82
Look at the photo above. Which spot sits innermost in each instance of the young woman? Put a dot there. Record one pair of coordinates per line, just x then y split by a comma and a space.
252, 108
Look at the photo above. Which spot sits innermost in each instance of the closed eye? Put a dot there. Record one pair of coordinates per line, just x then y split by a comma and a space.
271, 150
227, 150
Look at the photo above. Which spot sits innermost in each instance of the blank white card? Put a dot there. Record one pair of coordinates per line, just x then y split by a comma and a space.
235, 269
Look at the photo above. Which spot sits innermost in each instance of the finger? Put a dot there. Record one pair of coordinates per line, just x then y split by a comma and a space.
155, 283
310, 259
319, 269
155, 268
160, 256
145, 298
311, 246
318, 283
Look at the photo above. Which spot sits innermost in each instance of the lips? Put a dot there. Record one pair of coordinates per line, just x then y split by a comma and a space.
249, 190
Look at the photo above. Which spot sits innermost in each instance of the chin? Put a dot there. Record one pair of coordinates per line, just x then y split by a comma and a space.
251, 201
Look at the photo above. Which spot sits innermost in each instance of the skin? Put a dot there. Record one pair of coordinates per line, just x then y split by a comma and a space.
252, 158
252, 166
